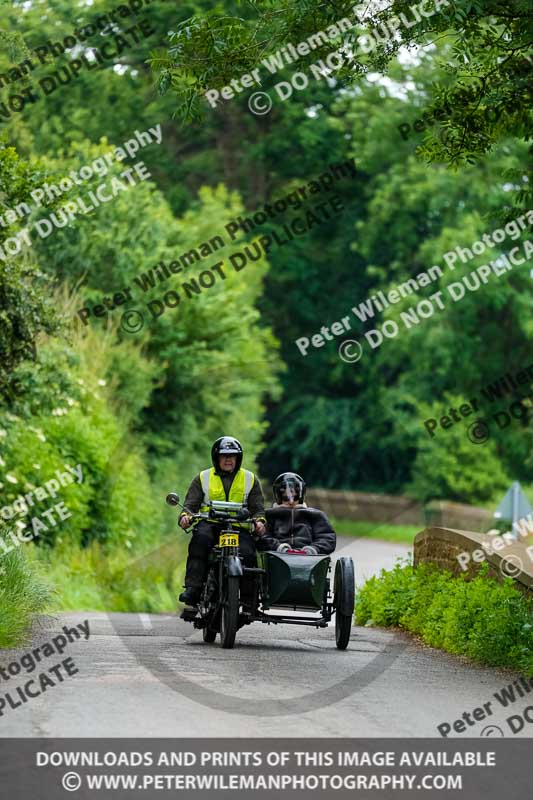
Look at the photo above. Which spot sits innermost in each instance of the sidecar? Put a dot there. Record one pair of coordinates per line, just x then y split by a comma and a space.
296, 589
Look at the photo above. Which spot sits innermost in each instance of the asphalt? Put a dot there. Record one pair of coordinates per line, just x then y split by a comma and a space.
152, 675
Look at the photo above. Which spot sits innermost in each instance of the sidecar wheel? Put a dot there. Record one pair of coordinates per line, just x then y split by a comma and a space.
343, 629
229, 618
344, 601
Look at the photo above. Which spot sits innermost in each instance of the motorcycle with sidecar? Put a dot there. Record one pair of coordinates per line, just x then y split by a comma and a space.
291, 587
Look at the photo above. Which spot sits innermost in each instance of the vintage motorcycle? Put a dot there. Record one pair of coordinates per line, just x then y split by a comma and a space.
291, 581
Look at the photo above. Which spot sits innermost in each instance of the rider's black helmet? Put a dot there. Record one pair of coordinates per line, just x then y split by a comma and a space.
289, 486
227, 445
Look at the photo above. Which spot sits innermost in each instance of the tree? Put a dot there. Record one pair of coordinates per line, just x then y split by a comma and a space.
483, 97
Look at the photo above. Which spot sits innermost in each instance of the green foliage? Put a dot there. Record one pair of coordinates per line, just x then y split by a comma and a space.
24, 308
480, 618
210, 350
366, 419
23, 595
483, 96
451, 465
98, 578
115, 502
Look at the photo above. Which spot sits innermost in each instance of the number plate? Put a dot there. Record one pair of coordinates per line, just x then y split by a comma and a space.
229, 540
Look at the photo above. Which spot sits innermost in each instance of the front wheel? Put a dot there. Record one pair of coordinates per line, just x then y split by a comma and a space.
344, 601
229, 618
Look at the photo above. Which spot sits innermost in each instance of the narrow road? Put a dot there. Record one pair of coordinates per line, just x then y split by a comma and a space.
152, 675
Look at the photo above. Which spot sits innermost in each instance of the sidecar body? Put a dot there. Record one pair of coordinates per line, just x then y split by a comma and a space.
295, 589
294, 581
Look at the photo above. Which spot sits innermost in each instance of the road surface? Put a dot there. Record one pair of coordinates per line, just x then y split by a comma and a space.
152, 675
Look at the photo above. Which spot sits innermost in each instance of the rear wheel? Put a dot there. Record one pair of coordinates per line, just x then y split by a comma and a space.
344, 601
229, 618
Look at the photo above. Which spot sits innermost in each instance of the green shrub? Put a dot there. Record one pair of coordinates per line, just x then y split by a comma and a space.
22, 596
481, 618
73, 411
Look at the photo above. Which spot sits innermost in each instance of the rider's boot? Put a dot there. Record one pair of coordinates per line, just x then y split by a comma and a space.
191, 595
194, 580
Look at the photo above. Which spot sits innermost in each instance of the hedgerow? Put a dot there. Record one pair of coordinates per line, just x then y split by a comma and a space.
481, 618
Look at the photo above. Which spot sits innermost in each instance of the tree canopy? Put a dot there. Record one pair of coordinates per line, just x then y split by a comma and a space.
435, 115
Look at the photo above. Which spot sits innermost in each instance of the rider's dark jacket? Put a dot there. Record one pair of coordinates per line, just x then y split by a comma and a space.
195, 495
299, 526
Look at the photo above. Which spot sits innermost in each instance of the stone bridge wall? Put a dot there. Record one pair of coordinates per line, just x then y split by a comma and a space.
442, 546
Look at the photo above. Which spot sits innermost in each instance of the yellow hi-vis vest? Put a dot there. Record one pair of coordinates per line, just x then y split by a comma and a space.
214, 488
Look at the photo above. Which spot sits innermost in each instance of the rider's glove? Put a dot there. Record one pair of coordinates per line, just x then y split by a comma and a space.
311, 551
259, 526
282, 548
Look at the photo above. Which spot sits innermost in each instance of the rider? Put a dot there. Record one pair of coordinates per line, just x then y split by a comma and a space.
225, 481
292, 525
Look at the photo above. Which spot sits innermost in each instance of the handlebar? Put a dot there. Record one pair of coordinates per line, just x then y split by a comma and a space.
219, 516
213, 515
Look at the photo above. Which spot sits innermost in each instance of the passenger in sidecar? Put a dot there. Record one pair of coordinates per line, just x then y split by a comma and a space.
294, 565
292, 525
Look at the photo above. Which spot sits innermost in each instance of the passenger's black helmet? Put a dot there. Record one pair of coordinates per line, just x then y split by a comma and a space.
289, 486
226, 445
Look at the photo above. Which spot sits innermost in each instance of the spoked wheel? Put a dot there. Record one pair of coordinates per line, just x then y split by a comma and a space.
344, 601
229, 618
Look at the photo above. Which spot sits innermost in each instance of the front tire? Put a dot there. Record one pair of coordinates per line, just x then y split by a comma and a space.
229, 618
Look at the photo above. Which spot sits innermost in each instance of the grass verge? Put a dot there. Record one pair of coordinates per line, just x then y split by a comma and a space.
483, 619
23, 595
98, 579
376, 530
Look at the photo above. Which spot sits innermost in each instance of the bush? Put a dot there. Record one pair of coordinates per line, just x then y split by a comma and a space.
22, 596
74, 412
488, 621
